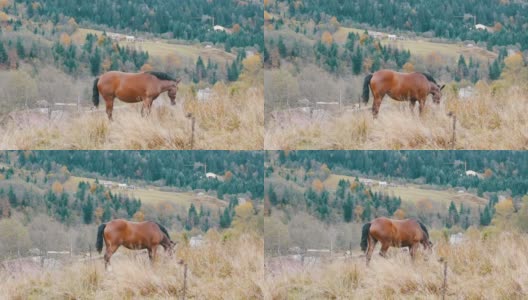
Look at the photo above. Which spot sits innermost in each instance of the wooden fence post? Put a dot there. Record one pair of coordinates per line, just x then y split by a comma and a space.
193, 121
453, 138
184, 280
444, 286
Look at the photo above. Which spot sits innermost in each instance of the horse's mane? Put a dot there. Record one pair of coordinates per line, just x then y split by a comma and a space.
424, 229
164, 230
429, 77
161, 75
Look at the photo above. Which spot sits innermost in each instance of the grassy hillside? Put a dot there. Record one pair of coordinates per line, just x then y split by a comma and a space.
152, 195
163, 48
412, 193
423, 47
479, 268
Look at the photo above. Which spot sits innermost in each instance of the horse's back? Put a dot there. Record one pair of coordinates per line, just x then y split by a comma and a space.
133, 233
407, 230
382, 226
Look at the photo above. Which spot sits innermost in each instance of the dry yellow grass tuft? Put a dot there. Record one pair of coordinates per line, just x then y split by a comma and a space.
480, 268
234, 119
484, 122
231, 269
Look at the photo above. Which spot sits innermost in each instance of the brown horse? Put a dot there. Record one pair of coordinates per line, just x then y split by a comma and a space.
134, 236
401, 87
394, 233
133, 88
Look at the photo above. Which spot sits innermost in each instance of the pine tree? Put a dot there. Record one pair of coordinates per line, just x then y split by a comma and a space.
20, 49
357, 62
12, 197
95, 63
225, 219
88, 212
283, 51
453, 216
200, 71
485, 217
348, 209
3, 54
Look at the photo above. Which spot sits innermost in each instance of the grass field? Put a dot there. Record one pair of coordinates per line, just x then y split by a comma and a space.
482, 267
223, 268
163, 48
413, 193
152, 195
231, 120
485, 121
423, 47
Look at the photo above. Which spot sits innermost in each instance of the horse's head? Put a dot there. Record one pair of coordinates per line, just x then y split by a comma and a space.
171, 248
173, 90
436, 91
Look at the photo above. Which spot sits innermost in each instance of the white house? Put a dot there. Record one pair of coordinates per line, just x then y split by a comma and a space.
392, 37
383, 183
122, 186
471, 173
130, 38
481, 27
221, 28
211, 175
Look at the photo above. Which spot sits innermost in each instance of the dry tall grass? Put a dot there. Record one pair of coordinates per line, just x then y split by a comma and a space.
484, 122
231, 269
480, 268
234, 120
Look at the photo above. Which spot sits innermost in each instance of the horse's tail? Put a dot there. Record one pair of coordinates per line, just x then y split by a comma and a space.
366, 85
100, 237
424, 229
95, 97
164, 230
364, 236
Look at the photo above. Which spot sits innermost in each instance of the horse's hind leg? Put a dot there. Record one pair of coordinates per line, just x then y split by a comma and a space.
110, 250
109, 106
376, 104
371, 245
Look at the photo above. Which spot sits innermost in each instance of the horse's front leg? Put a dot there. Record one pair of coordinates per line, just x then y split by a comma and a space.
412, 104
145, 108
152, 253
147, 105
422, 105
413, 249
384, 249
